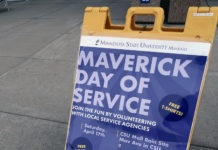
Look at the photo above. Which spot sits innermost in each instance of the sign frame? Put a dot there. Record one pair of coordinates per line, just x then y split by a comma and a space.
191, 34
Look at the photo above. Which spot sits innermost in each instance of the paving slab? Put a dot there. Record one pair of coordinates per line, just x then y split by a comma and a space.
39, 88
26, 133
200, 148
214, 57
8, 63
38, 50
30, 10
29, 38
18, 45
72, 12
115, 9
205, 133
8, 24
63, 48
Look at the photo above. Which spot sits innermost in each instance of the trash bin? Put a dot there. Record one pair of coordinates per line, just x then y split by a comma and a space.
145, 3
176, 10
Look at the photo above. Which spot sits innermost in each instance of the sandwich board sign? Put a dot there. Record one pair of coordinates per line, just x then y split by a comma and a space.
139, 88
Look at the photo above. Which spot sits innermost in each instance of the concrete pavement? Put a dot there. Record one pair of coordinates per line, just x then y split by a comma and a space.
38, 47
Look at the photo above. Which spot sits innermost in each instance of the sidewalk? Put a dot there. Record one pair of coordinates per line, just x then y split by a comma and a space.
39, 40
